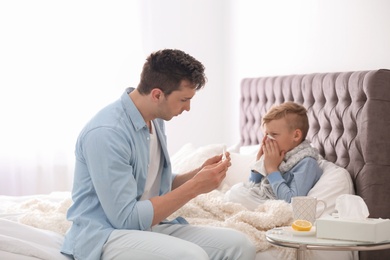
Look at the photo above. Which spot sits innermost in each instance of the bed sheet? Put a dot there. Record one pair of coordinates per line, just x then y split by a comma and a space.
19, 241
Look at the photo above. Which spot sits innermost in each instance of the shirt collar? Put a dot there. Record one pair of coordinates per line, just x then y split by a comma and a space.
132, 111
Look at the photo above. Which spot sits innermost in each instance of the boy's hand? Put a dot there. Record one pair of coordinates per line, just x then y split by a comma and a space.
261, 151
272, 156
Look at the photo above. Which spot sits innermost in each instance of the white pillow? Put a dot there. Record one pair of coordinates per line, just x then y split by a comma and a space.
240, 169
189, 157
334, 182
249, 149
178, 159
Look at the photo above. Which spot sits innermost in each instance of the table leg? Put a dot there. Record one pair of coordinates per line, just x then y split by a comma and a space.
301, 252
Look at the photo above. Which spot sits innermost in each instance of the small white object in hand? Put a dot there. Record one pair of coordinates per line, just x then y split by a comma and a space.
224, 154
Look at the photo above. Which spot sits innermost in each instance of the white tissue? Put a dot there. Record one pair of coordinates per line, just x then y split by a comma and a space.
259, 166
271, 137
351, 207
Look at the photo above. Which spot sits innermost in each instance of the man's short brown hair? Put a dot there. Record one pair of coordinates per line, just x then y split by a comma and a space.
166, 69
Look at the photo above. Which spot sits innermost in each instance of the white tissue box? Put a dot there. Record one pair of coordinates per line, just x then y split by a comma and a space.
368, 230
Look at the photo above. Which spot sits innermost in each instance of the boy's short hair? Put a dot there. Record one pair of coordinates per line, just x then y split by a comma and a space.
295, 114
166, 69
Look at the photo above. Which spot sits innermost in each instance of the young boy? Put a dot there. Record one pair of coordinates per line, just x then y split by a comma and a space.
286, 164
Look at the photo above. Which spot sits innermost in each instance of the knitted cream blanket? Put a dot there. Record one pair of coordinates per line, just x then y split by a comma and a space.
43, 212
212, 210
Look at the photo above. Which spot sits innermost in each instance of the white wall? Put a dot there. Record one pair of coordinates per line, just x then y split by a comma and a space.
60, 61
200, 28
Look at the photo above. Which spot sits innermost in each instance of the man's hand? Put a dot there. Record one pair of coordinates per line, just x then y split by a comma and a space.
215, 159
211, 176
184, 177
205, 180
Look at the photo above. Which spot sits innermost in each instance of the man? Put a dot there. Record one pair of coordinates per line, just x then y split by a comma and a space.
123, 185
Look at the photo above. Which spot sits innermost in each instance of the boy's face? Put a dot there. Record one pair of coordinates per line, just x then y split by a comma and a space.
285, 138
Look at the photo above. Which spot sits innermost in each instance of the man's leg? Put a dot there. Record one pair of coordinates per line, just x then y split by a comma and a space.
146, 245
219, 243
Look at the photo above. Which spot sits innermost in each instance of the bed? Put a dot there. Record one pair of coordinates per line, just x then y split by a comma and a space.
349, 114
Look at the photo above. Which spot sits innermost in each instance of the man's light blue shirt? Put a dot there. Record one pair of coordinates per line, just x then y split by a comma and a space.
112, 160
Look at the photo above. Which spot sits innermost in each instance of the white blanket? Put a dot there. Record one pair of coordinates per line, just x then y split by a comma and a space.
32, 243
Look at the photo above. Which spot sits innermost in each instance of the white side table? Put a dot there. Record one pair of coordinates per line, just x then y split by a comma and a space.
302, 241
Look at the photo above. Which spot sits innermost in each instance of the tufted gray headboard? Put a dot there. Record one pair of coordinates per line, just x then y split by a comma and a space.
349, 116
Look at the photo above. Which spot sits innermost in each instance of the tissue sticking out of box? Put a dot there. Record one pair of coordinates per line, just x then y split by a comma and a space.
352, 223
351, 207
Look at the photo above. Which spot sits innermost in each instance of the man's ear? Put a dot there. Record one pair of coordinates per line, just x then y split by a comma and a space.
156, 94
